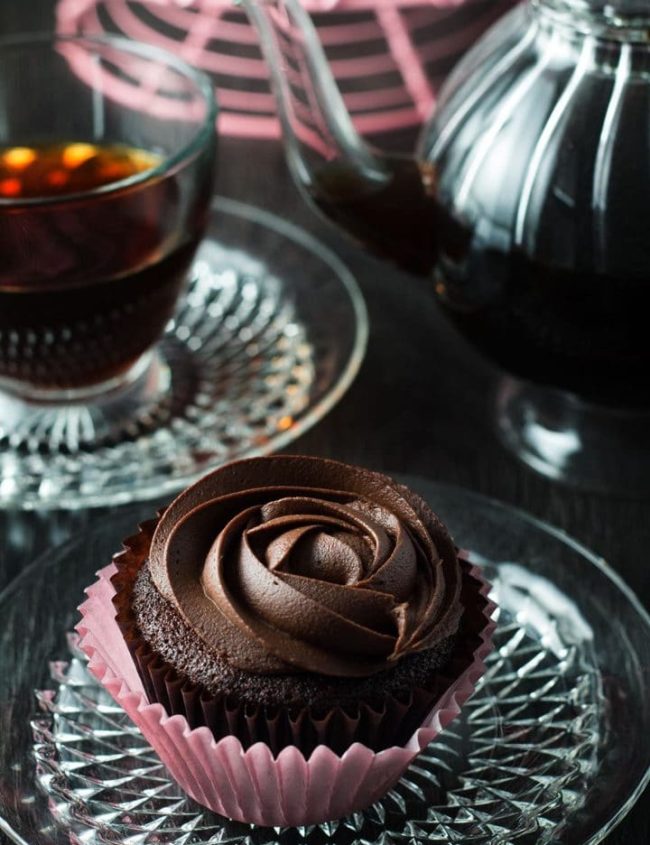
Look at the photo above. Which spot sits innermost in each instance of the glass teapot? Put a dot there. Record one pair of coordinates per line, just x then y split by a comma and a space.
526, 201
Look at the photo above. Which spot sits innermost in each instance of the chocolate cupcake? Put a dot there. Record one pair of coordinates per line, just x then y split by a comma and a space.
297, 602
288, 636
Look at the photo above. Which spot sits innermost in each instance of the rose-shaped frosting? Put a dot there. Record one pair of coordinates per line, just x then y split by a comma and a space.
291, 564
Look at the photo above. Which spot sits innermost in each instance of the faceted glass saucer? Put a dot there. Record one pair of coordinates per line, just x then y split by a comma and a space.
553, 748
268, 336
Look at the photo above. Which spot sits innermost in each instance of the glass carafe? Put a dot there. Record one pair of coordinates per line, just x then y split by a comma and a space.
541, 146
526, 207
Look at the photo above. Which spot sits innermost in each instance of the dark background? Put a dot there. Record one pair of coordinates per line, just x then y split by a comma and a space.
422, 403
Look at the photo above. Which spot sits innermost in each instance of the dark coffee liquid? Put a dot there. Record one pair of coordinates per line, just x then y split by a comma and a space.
580, 331
397, 218
573, 329
87, 280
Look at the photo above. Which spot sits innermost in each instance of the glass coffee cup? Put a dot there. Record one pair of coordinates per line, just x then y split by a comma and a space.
107, 151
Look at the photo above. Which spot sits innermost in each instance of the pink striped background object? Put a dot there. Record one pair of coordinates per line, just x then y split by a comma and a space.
389, 57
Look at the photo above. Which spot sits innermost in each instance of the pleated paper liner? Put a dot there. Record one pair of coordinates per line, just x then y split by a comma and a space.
240, 775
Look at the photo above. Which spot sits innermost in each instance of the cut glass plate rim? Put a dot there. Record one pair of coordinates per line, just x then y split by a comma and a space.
295, 233
421, 484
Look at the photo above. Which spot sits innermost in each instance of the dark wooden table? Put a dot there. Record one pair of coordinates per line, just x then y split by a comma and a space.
422, 403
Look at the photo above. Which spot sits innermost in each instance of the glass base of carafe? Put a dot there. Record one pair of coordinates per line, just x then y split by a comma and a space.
566, 439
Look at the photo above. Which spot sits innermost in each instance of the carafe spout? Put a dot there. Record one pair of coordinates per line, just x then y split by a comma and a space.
383, 202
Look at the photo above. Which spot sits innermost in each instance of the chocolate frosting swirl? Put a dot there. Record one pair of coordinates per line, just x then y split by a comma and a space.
294, 564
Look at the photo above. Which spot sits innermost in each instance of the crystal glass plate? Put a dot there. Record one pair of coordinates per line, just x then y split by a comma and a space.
553, 748
269, 335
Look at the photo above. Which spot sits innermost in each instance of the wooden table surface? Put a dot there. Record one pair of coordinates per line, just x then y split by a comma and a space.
422, 403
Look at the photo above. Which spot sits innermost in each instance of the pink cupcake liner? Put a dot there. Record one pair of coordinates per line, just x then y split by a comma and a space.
252, 785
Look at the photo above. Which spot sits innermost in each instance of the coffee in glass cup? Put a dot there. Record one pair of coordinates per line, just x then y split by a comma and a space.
104, 197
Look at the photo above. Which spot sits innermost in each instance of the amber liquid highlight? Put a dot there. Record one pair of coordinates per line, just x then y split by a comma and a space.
91, 270
67, 168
